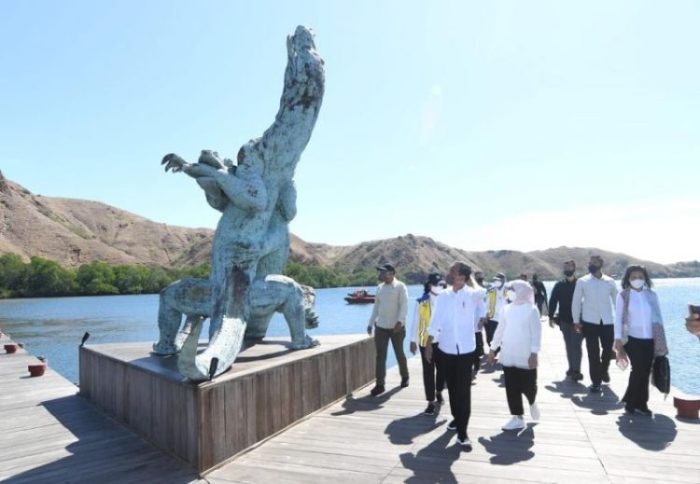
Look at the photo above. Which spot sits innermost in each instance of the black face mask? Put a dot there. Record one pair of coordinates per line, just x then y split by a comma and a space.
593, 268
569, 273
480, 280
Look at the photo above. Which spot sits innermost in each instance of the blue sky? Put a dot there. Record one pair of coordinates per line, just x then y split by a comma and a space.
486, 125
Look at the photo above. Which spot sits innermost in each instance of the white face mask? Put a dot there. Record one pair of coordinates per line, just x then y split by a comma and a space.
637, 283
435, 290
498, 284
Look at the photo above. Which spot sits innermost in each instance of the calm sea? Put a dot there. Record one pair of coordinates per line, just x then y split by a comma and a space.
54, 327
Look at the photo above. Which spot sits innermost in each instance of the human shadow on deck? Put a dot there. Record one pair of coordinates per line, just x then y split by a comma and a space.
510, 447
432, 463
403, 431
103, 451
367, 403
599, 403
651, 433
567, 388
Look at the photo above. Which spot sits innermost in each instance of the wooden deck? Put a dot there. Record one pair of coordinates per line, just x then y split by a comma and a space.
49, 434
580, 438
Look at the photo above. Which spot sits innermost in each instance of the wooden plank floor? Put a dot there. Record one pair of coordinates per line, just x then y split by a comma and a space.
580, 438
50, 434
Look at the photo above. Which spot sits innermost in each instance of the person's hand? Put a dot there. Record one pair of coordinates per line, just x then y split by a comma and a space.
620, 350
414, 347
428, 353
692, 324
369, 329
552, 323
492, 357
578, 327
532, 361
398, 326
481, 324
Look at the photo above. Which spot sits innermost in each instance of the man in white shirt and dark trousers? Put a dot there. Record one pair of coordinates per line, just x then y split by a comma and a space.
453, 320
389, 322
592, 310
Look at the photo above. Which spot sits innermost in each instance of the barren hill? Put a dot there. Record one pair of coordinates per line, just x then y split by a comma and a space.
73, 232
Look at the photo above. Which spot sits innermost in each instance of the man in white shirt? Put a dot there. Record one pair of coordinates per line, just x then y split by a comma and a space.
388, 320
453, 318
592, 309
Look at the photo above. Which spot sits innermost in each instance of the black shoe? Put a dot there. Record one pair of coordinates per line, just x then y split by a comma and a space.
377, 390
430, 410
404, 382
465, 443
438, 398
577, 376
606, 377
644, 411
629, 409
452, 425
594, 389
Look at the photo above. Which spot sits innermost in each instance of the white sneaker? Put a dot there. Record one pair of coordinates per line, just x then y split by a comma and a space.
516, 423
535, 412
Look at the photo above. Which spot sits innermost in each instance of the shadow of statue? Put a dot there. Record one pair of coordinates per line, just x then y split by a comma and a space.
103, 451
567, 388
654, 433
367, 403
510, 447
599, 403
433, 462
403, 431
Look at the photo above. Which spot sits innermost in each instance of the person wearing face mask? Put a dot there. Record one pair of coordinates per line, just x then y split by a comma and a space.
592, 309
519, 336
636, 315
561, 297
497, 298
433, 379
479, 324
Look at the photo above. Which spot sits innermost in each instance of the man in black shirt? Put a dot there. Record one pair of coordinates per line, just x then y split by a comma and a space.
562, 295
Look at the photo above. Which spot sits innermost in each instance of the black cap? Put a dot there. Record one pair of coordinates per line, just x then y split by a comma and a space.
500, 276
434, 279
386, 267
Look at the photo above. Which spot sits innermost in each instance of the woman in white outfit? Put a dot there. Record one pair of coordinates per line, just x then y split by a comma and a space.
518, 336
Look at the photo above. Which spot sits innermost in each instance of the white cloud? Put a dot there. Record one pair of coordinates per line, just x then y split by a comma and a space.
658, 230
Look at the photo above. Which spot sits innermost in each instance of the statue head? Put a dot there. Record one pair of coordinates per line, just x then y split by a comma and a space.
249, 158
303, 39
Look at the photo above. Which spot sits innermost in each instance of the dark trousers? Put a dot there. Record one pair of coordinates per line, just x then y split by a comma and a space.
433, 379
572, 342
479, 339
641, 355
597, 336
519, 382
490, 327
381, 343
457, 369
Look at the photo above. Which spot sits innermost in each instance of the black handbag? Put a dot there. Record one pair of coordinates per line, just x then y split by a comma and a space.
661, 374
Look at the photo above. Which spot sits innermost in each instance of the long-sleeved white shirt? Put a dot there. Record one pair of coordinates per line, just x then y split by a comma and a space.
594, 300
453, 320
390, 305
519, 334
638, 316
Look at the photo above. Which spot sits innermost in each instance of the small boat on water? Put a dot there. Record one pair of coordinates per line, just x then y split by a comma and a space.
361, 296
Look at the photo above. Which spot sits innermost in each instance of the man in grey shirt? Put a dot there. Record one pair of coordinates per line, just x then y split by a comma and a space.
389, 323
592, 308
